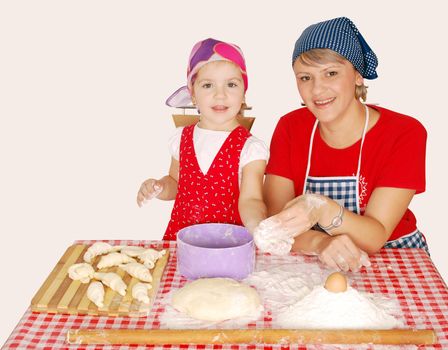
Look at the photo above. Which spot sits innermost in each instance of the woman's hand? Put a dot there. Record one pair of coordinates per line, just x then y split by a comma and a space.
301, 213
340, 253
276, 234
148, 190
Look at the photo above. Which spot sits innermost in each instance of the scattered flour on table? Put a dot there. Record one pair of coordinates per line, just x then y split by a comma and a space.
295, 295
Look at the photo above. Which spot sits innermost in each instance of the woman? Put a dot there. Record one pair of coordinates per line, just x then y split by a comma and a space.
341, 173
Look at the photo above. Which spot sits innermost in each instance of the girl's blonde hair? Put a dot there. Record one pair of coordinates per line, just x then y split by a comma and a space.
323, 56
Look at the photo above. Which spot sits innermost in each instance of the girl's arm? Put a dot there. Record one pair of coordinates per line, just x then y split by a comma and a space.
277, 191
169, 182
251, 205
164, 188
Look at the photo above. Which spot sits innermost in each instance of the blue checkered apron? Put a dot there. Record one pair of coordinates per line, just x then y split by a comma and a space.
345, 191
413, 240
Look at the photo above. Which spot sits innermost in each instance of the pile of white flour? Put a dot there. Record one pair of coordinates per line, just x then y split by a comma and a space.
297, 299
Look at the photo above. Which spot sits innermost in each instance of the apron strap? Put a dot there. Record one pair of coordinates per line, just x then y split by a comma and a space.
310, 150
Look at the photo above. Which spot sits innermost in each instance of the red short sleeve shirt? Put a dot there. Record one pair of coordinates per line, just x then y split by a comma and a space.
393, 156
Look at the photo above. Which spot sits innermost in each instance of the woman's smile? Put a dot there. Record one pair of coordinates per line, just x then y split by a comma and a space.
323, 103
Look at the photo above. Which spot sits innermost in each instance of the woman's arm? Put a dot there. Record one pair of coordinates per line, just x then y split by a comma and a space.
384, 210
251, 205
344, 249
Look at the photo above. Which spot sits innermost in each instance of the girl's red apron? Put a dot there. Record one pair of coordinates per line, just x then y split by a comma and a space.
210, 197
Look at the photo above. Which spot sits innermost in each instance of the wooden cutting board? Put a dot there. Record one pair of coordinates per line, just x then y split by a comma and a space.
60, 294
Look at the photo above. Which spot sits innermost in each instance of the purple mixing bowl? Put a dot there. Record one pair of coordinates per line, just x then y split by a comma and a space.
215, 250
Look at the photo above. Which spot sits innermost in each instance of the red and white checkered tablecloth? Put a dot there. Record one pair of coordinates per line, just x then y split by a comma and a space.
404, 274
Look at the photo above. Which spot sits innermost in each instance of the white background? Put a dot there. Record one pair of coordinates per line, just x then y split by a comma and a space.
83, 120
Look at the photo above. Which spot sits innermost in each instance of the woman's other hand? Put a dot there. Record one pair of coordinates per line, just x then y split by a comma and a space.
340, 253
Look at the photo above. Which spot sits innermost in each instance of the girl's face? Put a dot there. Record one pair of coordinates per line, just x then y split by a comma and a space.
328, 89
218, 91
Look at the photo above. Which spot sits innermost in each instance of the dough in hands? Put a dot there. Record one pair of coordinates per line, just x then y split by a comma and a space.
217, 299
112, 280
132, 251
99, 248
95, 293
140, 292
114, 259
150, 256
138, 271
82, 272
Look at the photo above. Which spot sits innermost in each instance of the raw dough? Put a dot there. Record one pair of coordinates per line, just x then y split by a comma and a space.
99, 248
112, 280
132, 250
138, 271
217, 299
95, 293
114, 259
82, 272
150, 256
140, 292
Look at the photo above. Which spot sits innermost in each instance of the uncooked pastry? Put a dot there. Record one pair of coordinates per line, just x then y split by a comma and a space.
150, 256
112, 280
114, 259
140, 292
132, 250
82, 272
99, 248
138, 271
95, 293
217, 299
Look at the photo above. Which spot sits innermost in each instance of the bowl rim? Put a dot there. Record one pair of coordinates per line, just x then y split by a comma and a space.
250, 242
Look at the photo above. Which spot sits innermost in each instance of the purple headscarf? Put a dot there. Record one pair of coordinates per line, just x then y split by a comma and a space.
206, 51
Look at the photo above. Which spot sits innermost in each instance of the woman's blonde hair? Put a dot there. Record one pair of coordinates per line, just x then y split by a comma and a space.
323, 56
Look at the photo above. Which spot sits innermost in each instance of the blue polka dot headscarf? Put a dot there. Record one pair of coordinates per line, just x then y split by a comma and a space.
342, 36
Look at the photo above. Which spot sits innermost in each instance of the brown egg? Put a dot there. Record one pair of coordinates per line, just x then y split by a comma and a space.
336, 282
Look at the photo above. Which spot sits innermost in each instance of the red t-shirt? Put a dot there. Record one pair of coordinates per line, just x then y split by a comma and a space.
393, 155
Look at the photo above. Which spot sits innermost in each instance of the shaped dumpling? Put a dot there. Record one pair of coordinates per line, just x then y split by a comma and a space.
95, 293
81, 272
150, 256
114, 259
137, 270
99, 248
112, 280
132, 250
140, 292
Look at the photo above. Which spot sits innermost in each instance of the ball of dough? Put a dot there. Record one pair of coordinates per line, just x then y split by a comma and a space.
217, 299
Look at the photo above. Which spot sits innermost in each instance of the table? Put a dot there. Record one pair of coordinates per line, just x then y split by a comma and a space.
405, 274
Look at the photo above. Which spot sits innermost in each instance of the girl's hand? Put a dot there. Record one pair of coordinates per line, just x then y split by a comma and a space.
340, 253
148, 190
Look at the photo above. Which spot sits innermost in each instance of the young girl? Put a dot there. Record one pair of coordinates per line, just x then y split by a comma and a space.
217, 167
349, 167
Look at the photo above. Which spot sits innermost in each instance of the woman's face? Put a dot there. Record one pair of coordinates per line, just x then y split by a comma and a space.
327, 89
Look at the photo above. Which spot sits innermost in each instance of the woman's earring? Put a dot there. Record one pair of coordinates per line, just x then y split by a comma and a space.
302, 104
